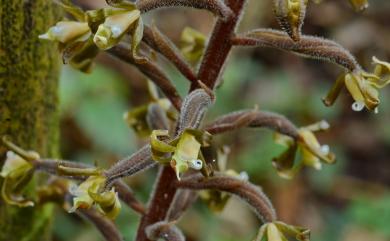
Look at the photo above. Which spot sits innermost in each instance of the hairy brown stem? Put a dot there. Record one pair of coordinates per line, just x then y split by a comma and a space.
124, 191
151, 70
218, 7
193, 110
159, 42
219, 46
182, 201
106, 227
164, 192
247, 191
307, 46
212, 64
164, 230
127, 196
139, 161
253, 119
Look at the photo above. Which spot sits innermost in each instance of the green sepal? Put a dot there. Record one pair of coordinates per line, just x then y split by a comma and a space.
193, 44
136, 119
161, 151
72, 9
80, 55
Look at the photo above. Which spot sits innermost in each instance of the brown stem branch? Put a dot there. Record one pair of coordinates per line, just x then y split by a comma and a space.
212, 64
253, 119
307, 46
124, 191
217, 7
165, 231
106, 227
182, 201
219, 46
164, 192
139, 161
159, 42
151, 70
250, 193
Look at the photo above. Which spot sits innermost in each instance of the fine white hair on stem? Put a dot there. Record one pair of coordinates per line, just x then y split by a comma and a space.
164, 230
245, 190
193, 109
218, 7
139, 161
308, 46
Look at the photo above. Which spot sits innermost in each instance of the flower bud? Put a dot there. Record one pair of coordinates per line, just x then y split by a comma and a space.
68, 31
291, 14
114, 27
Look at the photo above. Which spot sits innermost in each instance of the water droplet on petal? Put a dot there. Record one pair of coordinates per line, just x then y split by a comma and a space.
56, 30
244, 176
196, 164
116, 31
325, 149
358, 106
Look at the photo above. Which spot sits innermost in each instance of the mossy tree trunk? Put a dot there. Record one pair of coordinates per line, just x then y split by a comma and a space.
29, 70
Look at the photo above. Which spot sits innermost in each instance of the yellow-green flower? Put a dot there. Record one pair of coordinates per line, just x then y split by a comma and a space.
138, 118
90, 193
81, 40
277, 231
182, 153
186, 154
307, 146
363, 87
114, 27
74, 38
192, 44
17, 172
359, 5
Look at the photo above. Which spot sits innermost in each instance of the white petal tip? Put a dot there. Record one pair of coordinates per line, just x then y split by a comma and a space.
324, 125
325, 149
244, 176
44, 36
317, 166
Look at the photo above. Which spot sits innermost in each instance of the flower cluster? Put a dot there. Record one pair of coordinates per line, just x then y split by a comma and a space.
80, 40
217, 200
140, 118
307, 146
91, 193
363, 87
192, 44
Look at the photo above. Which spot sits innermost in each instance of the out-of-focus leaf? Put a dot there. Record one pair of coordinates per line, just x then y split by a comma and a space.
97, 102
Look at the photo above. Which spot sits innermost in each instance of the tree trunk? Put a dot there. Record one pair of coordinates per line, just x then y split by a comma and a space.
29, 70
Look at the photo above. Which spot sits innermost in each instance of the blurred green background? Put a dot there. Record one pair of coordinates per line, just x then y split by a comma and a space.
343, 202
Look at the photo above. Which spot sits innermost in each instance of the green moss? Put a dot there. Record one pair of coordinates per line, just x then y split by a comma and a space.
29, 70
